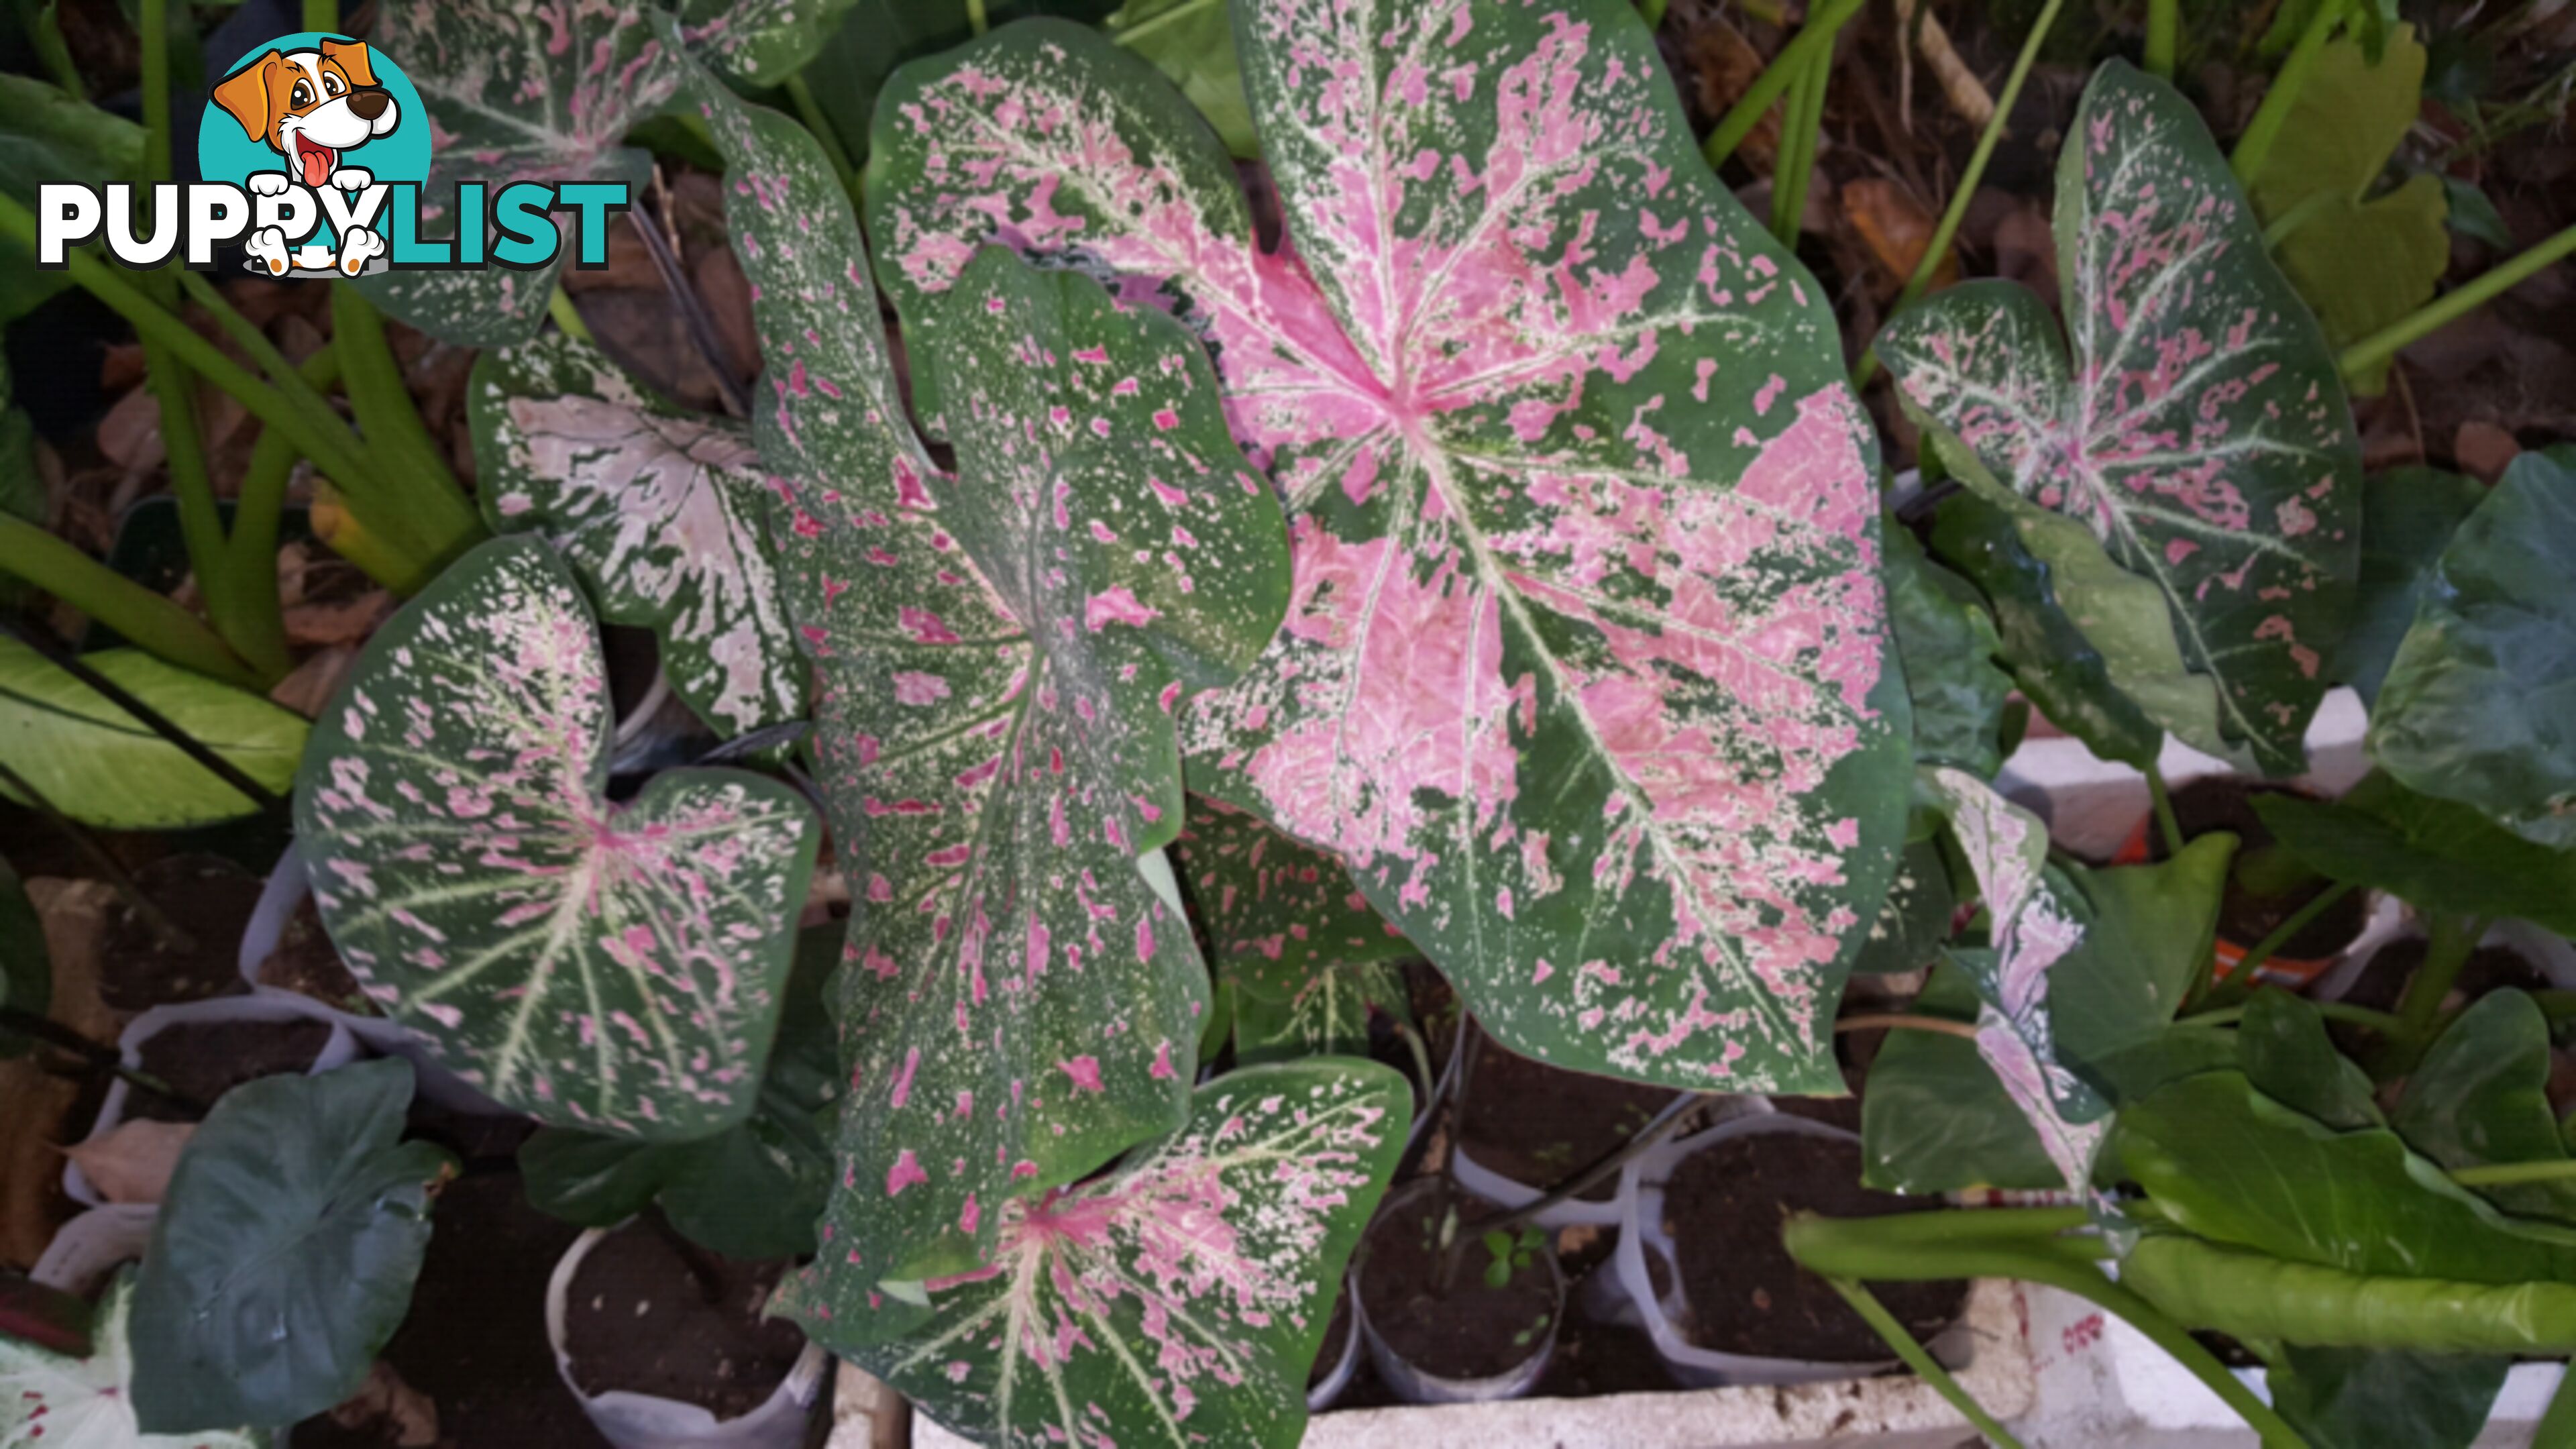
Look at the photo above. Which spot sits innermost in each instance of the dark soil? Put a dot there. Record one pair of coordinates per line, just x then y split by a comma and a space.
1539, 1126
1472, 1331
306, 963
202, 1060
475, 1339
210, 900
1724, 1207
651, 1315
1337, 1332
2382, 983
2245, 918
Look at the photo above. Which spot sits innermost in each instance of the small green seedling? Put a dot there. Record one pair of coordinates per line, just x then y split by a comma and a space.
1510, 1254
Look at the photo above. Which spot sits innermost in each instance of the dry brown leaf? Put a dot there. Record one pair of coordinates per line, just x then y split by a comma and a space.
2483, 451
1575, 1237
120, 366
315, 680
1896, 228
344, 622
384, 1399
134, 1162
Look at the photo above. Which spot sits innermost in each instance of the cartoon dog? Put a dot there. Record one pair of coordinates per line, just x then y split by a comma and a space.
311, 107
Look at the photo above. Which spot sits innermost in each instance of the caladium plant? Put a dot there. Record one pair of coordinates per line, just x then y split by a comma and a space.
661, 512
616, 967
1180, 1297
59, 1401
1000, 651
1584, 675
2199, 428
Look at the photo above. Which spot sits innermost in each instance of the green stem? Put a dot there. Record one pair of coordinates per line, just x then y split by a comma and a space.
2297, 216
2255, 146
262, 504
2168, 824
811, 112
2451, 306
1926, 1368
152, 23
43, 25
2270, 946
1651, 12
2362, 1016
2453, 939
1804, 120
1599, 1172
1900, 1021
1817, 35
245, 334
150, 621
1929, 264
976, 23
2557, 1427
1127, 35
2506, 1174
567, 316
424, 517
2164, 24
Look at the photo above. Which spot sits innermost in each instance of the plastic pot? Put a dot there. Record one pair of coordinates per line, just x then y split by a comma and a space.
644, 1421
1511, 1192
339, 1049
1330, 1386
1416, 1385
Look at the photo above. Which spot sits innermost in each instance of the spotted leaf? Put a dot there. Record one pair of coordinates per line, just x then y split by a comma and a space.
50, 1400
759, 43
1583, 676
1308, 959
661, 512
2200, 432
602, 965
1180, 1299
1000, 653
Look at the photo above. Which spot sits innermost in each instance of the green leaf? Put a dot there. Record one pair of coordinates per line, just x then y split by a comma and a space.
2473, 216
1586, 674
2480, 1096
49, 1400
2231, 1165
2430, 853
2362, 262
46, 135
1308, 960
1179, 1299
1947, 641
2476, 705
596, 964
2287, 1056
1001, 654
22, 487
2200, 434
1935, 1118
876, 36
1192, 41
2407, 518
2350, 1398
284, 1254
1915, 919
2062, 670
26, 965
758, 44
101, 766
661, 512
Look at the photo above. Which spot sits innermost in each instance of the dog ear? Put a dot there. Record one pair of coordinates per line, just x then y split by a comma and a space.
351, 56
249, 94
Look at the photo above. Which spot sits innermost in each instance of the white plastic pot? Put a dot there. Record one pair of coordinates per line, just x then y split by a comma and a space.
1418, 1386
95, 1244
1330, 1386
1511, 1192
287, 889
339, 1049
643, 1421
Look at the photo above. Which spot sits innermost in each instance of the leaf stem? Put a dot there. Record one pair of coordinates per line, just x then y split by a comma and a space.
1804, 121
2282, 934
2453, 939
1740, 119
2443, 310
418, 508
151, 621
976, 22
2343, 1011
262, 504
2505, 1174
2168, 824
1127, 34
567, 316
2164, 22
1601, 1170
2255, 146
1926, 1368
810, 111
1899, 1021
1651, 12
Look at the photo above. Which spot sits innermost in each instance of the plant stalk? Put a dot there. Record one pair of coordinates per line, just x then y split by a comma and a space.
1799, 135
2282, 934
1740, 119
2255, 146
1901, 1021
2451, 306
2506, 1174
2164, 24
423, 512
1866, 1304
2168, 824
150, 621
567, 316
2453, 939
259, 511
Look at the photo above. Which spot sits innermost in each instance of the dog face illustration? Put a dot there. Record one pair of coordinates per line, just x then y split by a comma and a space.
309, 106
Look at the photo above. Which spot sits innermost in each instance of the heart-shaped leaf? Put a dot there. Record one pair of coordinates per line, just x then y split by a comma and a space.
663, 514
609, 966
2407, 518
1308, 960
50, 1400
1583, 676
2475, 705
758, 43
1000, 654
285, 1251
2432, 853
2481, 1096
1192, 41
100, 765
2201, 431
1181, 1298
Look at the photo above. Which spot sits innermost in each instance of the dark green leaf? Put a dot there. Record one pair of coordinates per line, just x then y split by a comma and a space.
2473, 216
285, 1251
99, 765
2351, 1398
1946, 638
2287, 1056
876, 36
2481, 1095
1192, 41
2430, 853
46, 135
2480, 705
1915, 919
2407, 518
49, 1400
1934, 1119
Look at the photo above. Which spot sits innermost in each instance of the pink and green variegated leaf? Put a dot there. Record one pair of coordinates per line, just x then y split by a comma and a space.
1584, 673
2201, 429
758, 43
662, 512
1000, 655
1308, 959
614, 967
51, 1400
2029, 931
1178, 1300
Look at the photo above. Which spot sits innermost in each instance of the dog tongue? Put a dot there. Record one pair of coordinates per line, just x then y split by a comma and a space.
317, 167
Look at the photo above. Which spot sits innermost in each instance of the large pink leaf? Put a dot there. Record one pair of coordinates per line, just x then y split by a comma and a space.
1583, 675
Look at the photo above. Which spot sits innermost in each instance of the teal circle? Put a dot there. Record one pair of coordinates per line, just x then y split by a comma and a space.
226, 153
